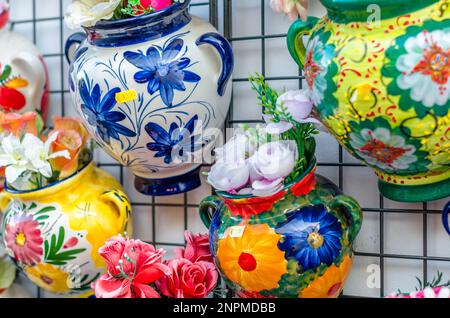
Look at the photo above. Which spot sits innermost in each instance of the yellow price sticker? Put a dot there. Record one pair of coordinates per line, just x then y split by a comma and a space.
126, 96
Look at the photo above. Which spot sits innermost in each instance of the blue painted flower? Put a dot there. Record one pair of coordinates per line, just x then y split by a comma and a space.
177, 143
163, 69
78, 53
98, 112
311, 236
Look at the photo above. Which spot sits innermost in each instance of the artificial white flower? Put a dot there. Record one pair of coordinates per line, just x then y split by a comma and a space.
239, 147
38, 153
12, 156
88, 12
229, 175
266, 188
275, 159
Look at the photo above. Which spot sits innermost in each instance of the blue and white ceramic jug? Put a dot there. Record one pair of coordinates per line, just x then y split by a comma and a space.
154, 91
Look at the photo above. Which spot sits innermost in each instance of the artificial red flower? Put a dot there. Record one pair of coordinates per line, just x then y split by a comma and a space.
156, 5
132, 267
197, 248
188, 279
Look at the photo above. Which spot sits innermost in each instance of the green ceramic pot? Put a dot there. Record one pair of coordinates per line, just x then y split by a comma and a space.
382, 87
296, 243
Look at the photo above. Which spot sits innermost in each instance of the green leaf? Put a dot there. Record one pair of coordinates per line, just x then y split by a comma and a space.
42, 217
7, 272
6, 73
45, 210
54, 256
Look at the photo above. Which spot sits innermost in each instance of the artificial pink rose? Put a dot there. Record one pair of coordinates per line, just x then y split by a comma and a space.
428, 292
188, 279
292, 8
197, 248
132, 267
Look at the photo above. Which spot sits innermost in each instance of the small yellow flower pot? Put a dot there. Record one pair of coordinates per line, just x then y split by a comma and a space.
54, 233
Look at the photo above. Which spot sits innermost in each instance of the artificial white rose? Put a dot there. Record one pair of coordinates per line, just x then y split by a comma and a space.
239, 147
88, 12
265, 188
274, 160
297, 104
229, 175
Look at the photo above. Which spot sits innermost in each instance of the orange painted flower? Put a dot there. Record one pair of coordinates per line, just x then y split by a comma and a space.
18, 124
331, 283
71, 141
253, 260
70, 123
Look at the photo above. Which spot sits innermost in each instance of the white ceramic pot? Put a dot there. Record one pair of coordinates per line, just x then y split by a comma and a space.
153, 94
23, 74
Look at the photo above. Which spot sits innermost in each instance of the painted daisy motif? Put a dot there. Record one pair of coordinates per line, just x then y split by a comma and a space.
425, 68
316, 70
382, 149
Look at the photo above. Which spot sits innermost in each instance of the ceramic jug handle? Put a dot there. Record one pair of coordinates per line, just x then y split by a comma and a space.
5, 200
120, 202
445, 217
32, 63
76, 38
208, 207
225, 51
351, 210
294, 38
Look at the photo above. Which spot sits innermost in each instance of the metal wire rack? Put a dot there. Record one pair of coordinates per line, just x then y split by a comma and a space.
221, 15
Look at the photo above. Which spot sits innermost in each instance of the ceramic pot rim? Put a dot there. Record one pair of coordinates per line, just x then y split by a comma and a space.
346, 11
83, 170
139, 20
310, 168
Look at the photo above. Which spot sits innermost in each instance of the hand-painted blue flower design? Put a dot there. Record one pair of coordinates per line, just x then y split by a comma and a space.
164, 69
98, 112
311, 235
175, 144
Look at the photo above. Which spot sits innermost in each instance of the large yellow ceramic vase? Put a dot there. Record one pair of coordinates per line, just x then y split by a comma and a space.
378, 71
54, 233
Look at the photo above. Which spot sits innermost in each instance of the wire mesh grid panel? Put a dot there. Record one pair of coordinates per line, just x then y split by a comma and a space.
398, 241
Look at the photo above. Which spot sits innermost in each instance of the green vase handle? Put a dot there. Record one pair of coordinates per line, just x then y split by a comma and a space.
208, 207
295, 35
351, 210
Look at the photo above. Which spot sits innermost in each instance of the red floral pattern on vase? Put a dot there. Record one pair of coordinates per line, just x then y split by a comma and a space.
304, 186
24, 238
251, 206
4, 15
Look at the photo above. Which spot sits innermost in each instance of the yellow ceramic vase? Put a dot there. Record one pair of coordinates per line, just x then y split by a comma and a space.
54, 233
378, 72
